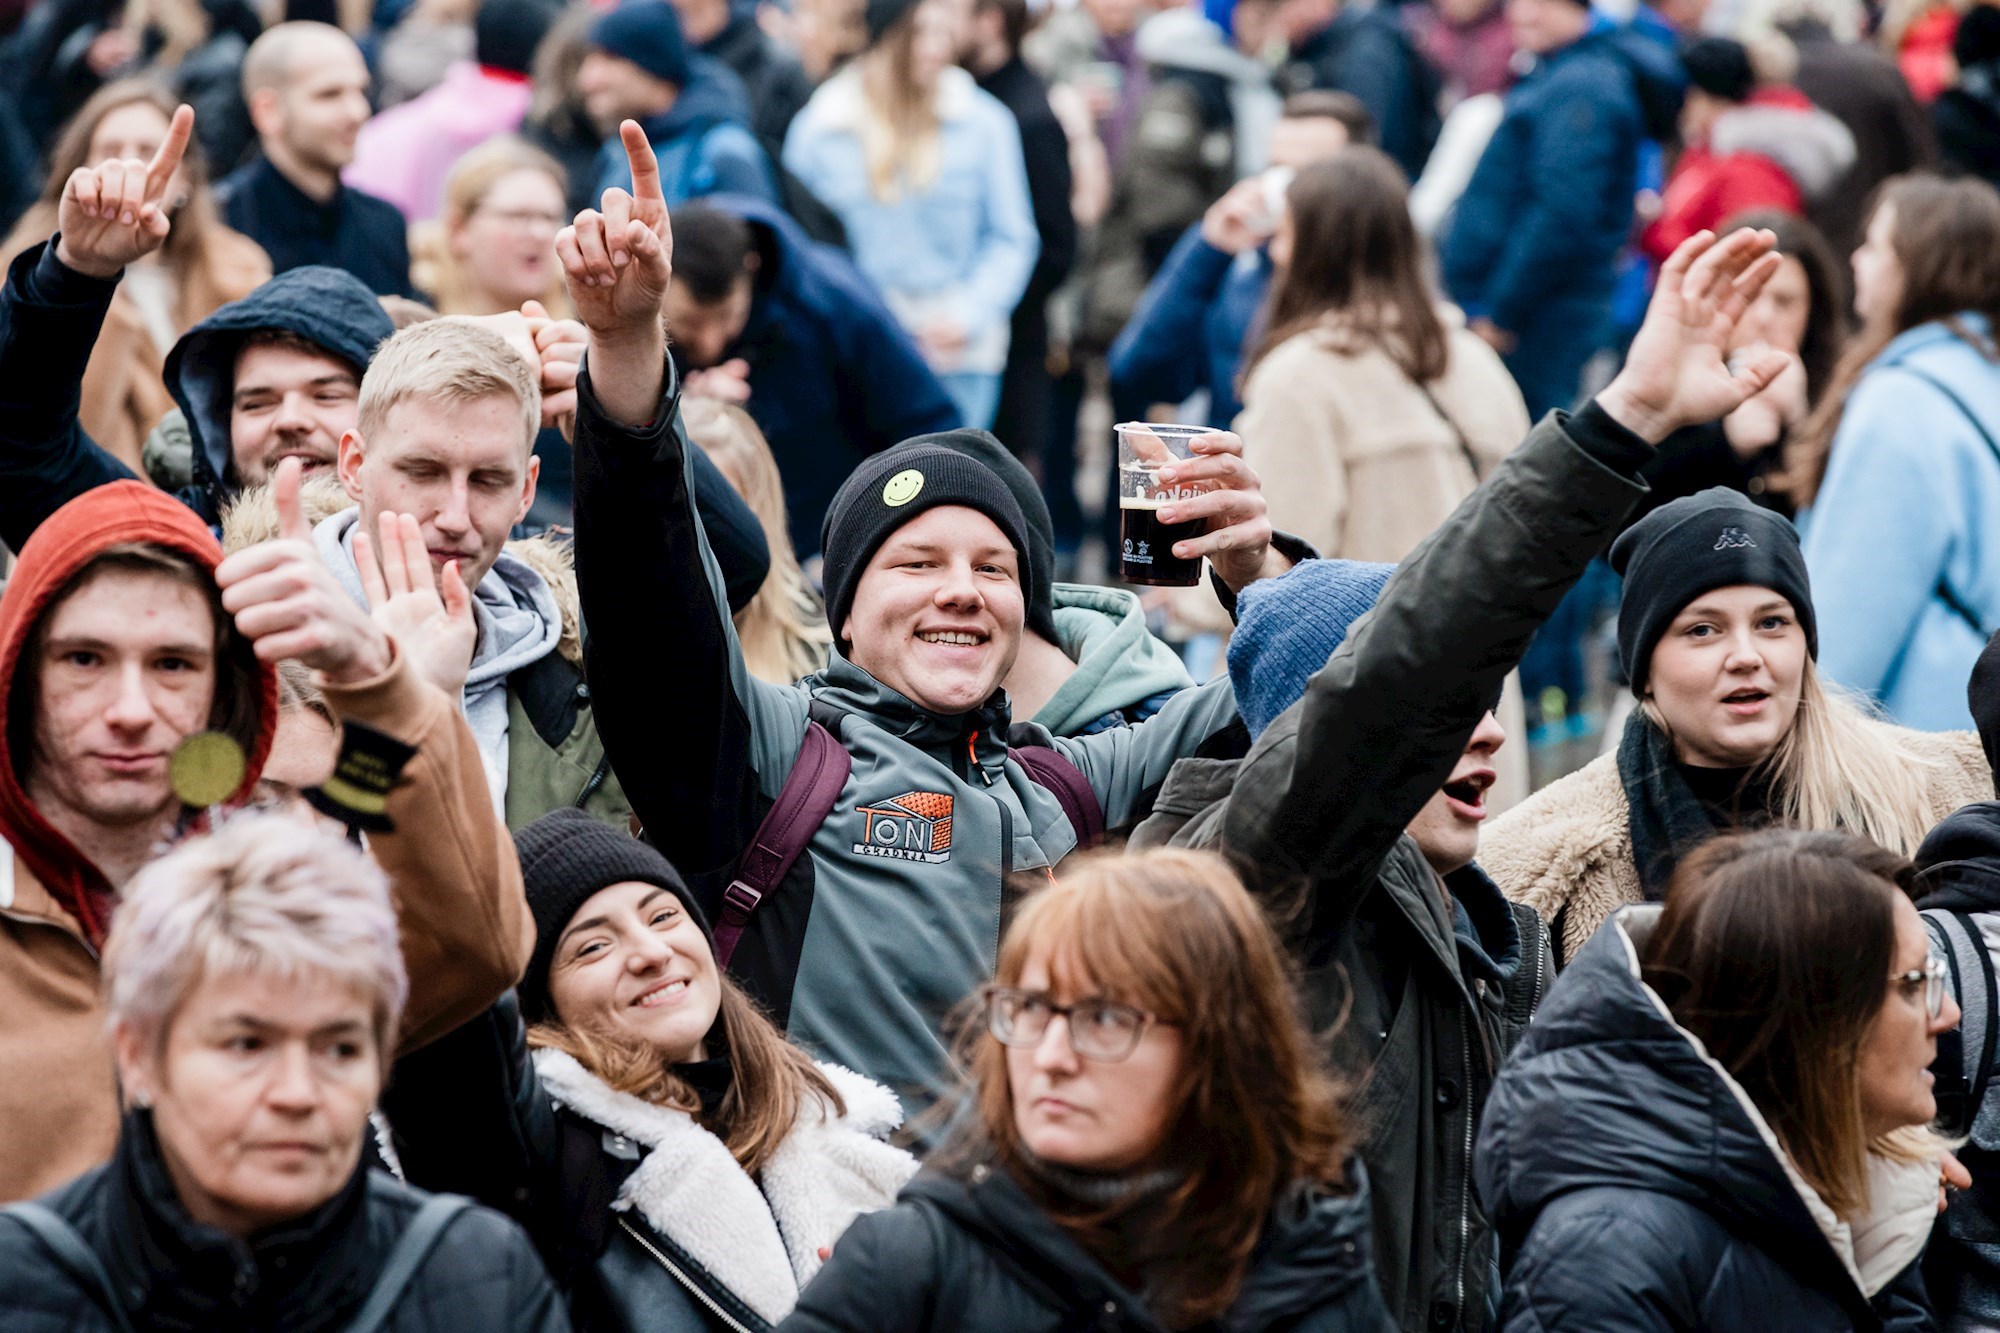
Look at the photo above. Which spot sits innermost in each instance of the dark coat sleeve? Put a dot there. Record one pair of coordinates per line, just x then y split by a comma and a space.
1158, 357
1608, 1267
1905, 1304
1330, 785
49, 320
734, 533
659, 656
888, 391
882, 1278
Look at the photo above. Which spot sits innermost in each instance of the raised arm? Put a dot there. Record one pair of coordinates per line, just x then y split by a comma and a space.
51, 312
1330, 785
687, 729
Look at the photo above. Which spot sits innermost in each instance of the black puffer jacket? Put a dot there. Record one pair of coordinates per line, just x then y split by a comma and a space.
174, 1274
1635, 1188
977, 1256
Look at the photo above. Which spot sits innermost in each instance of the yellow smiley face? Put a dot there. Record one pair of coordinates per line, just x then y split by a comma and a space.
902, 488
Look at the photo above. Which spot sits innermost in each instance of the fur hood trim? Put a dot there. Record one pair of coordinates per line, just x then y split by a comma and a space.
763, 1245
1814, 148
253, 517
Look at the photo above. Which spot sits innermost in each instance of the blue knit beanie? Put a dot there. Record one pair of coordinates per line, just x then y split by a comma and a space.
647, 33
1287, 627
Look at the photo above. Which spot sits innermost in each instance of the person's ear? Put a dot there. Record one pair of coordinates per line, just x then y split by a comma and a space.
353, 453
528, 486
752, 264
266, 114
135, 1065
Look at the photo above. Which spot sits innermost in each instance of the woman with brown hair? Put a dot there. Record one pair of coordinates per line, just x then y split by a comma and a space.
1900, 463
681, 1167
203, 266
1368, 407
1149, 1140
1718, 1118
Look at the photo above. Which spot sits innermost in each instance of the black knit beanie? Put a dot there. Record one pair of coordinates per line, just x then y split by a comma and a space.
986, 447
506, 33
1983, 693
566, 856
1696, 544
893, 487
1719, 67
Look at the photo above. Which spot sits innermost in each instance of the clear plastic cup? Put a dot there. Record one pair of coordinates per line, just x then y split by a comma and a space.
1146, 545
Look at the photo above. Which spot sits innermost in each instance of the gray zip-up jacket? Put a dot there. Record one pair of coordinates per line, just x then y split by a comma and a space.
893, 916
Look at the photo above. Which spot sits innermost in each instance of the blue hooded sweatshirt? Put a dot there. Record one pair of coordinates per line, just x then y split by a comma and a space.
702, 141
833, 376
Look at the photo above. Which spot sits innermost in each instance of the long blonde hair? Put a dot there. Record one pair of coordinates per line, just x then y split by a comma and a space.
440, 272
899, 133
1838, 768
783, 630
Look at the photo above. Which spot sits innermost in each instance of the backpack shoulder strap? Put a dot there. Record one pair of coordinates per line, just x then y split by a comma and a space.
73, 1254
1965, 1058
804, 802
412, 1248
1944, 591
1051, 770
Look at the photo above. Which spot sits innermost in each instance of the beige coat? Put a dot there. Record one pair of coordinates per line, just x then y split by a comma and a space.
1353, 456
1567, 850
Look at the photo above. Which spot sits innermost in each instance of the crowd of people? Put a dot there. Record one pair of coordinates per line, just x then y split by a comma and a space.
564, 766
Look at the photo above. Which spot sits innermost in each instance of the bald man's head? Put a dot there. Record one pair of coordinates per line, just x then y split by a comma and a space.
307, 89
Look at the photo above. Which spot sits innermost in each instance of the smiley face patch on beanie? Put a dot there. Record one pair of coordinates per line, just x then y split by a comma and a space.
902, 488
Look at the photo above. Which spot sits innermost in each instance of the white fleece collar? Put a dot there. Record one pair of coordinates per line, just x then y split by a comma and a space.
763, 1245
1902, 1196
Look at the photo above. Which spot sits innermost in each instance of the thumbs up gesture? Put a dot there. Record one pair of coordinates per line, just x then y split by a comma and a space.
115, 212
287, 603
429, 618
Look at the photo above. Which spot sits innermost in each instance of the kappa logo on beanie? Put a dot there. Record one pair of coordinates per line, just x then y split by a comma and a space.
1733, 539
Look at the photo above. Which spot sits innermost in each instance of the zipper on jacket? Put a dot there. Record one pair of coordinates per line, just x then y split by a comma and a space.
47, 924
683, 1278
596, 781
1465, 1182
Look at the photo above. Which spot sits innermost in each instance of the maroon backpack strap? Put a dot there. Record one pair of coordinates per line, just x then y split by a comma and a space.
1051, 770
804, 802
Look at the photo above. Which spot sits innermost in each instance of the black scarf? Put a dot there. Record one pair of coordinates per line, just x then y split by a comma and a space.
1667, 819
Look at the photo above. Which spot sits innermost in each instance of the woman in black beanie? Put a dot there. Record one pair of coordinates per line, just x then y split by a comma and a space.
1734, 729
680, 1166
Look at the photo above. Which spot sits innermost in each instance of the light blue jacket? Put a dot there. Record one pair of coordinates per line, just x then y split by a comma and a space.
1907, 522
965, 245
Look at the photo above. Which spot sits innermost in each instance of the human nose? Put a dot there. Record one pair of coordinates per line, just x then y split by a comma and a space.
1053, 1053
293, 1087
958, 589
647, 952
1744, 654
292, 415
1489, 735
1947, 1016
454, 516
131, 707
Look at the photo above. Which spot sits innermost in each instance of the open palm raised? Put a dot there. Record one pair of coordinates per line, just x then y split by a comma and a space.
1677, 372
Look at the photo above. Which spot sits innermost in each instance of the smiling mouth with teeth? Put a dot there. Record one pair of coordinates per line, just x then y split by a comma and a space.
958, 638
661, 994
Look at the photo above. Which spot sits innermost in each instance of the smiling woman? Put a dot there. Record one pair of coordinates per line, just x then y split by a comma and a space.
654, 1082
1735, 728
254, 985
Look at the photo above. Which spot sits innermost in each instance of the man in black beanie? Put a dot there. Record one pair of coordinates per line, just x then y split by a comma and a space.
909, 806
1087, 661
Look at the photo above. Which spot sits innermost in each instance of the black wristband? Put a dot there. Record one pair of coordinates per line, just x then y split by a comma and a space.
358, 792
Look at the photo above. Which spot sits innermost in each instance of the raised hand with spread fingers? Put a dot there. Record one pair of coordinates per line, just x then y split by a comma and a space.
430, 619
116, 212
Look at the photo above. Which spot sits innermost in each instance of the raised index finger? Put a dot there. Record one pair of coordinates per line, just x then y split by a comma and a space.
645, 167
168, 160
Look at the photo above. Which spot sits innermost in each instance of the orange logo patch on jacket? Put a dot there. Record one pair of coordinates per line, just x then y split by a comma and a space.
915, 826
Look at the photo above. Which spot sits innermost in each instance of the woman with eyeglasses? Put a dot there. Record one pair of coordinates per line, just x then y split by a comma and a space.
681, 1167
1148, 1141
1719, 1117
493, 247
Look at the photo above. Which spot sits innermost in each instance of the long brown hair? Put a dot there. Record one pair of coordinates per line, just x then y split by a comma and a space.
770, 1078
1175, 933
1356, 267
1947, 242
900, 133
188, 251
1774, 948
1827, 298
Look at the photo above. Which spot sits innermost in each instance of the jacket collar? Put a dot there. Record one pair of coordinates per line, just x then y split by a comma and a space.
1931, 334
976, 739
762, 1245
1118, 663
307, 1274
